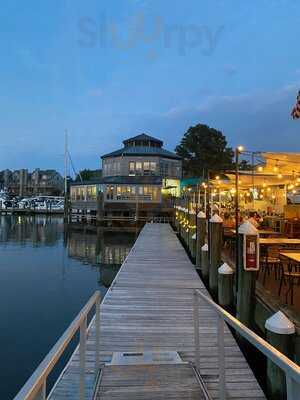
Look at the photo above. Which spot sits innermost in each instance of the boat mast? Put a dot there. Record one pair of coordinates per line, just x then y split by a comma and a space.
66, 163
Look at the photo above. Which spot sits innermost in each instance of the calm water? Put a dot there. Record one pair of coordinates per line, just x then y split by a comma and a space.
47, 273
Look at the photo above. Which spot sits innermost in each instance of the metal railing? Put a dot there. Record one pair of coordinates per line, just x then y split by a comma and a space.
291, 370
35, 387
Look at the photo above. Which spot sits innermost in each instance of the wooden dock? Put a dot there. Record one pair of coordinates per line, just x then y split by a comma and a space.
148, 311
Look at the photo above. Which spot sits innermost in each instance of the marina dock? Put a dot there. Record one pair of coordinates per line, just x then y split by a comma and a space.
147, 334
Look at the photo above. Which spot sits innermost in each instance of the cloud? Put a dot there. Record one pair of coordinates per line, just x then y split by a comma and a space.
259, 120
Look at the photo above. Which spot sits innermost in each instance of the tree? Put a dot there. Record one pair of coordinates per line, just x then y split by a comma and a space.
89, 175
204, 149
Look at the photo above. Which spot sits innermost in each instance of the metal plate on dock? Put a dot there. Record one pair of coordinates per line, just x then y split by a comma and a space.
146, 357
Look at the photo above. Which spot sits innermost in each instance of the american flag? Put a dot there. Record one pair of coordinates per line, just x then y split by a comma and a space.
296, 110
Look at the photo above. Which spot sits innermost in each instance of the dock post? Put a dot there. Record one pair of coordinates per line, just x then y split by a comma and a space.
200, 236
225, 286
215, 248
205, 263
280, 334
185, 226
192, 233
246, 279
176, 217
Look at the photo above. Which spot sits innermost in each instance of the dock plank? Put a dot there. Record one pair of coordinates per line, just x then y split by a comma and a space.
149, 307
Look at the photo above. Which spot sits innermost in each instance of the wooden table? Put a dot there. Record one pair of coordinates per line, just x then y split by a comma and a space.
279, 241
295, 256
260, 231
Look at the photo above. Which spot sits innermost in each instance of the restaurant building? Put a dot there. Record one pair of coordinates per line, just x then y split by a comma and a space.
138, 181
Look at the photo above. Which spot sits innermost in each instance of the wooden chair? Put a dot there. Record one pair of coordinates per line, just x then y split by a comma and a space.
270, 261
290, 276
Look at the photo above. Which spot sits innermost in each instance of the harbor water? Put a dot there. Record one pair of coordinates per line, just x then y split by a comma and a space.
48, 271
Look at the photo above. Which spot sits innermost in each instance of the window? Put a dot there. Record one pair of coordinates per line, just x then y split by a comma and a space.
91, 193
152, 166
110, 193
139, 167
80, 193
146, 166
73, 193
131, 167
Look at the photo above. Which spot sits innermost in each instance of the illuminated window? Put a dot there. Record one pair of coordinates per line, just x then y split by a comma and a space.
138, 167
131, 167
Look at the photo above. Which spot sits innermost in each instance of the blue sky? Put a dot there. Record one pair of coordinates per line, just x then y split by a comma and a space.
106, 70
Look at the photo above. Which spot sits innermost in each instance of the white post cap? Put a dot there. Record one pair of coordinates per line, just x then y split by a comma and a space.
194, 236
204, 247
248, 229
216, 219
201, 214
225, 270
279, 323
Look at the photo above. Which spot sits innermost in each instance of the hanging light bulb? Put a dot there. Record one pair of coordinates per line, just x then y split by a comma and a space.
260, 169
264, 184
279, 176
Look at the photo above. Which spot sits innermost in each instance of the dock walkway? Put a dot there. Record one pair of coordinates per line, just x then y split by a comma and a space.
148, 311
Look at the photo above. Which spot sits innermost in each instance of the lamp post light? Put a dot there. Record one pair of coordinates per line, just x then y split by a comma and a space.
238, 151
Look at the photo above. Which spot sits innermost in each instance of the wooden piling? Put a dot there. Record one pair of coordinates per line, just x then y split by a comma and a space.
225, 286
215, 248
205, 263
280, 334
246, 280
200, 236
192, 232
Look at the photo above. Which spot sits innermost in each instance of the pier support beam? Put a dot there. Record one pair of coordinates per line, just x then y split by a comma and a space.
246, 279
225, 286
215, 248
192, 232
279, 333
200, 236
205, 263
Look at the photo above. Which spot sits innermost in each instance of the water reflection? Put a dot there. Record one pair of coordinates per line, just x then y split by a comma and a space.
107, 251
30, 230
47, 273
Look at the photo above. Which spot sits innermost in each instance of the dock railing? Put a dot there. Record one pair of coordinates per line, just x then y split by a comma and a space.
291, 369
35, 387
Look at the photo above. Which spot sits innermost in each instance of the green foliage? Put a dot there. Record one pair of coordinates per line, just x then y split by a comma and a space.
204, 149
89, 175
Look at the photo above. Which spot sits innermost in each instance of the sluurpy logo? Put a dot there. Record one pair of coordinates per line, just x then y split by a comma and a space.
154, 34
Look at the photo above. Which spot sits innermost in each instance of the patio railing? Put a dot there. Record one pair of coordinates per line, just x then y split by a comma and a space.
291, 370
